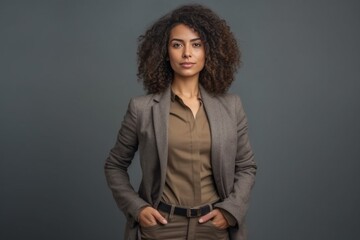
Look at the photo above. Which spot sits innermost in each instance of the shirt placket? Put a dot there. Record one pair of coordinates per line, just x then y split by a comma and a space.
195, 157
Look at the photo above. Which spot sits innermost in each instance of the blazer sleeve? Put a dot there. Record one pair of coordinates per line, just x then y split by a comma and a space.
118, 161
237, 201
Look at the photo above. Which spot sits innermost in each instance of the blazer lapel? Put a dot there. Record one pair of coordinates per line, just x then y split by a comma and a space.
213, 111
160, 113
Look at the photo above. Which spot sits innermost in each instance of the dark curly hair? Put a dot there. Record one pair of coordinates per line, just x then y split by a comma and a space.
222, 55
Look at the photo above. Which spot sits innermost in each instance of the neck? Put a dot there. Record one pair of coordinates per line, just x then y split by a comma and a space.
188, 88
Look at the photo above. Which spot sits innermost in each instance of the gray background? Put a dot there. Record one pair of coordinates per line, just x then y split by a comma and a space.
68, 69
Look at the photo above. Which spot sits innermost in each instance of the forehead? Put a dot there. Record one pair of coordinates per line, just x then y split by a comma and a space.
182, 31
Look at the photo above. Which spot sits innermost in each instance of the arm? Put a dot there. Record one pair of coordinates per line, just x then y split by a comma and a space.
237, 201
119, 160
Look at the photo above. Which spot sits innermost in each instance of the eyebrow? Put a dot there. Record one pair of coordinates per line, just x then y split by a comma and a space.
180, 40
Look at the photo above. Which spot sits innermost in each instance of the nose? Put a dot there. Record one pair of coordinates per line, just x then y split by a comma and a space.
187, 52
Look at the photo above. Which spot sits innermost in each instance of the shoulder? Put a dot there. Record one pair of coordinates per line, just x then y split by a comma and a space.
229, 99
141, 102
232, 104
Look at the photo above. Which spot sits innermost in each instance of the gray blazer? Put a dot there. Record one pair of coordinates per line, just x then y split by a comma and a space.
145, 126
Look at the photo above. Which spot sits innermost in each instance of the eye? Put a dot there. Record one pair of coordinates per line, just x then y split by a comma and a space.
176, 45
197, 44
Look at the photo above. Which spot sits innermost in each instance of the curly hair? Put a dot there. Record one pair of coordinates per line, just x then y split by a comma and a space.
222, 55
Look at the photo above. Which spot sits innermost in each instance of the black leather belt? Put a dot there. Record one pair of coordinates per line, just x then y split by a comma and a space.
186, 212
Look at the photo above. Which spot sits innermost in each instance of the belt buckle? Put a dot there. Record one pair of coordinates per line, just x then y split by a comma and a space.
189, 212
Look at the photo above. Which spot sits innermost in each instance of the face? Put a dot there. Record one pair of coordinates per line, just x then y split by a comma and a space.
186, 52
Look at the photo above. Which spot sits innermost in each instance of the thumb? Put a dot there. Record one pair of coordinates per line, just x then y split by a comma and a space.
159, 217
206, 217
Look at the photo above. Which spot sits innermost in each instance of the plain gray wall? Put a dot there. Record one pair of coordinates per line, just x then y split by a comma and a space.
68, 69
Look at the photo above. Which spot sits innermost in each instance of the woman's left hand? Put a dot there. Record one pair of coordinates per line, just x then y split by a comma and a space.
217, 219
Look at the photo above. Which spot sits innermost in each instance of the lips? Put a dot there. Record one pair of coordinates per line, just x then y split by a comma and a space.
187, 64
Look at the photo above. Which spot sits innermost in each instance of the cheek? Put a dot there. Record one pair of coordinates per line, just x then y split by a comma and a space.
172, 61
202, 56
172, 55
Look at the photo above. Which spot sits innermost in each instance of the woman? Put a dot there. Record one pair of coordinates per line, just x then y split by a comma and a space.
197, 164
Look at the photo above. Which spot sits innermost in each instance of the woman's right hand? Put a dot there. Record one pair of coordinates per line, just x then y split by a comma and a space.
149, 216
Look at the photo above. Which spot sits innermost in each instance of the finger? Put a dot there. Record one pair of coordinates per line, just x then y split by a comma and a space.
159, 217
220, 223
206, 217
219, 220
146, 216
150, 219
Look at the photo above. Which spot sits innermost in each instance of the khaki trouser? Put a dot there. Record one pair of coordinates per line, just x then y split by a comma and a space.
183, 228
